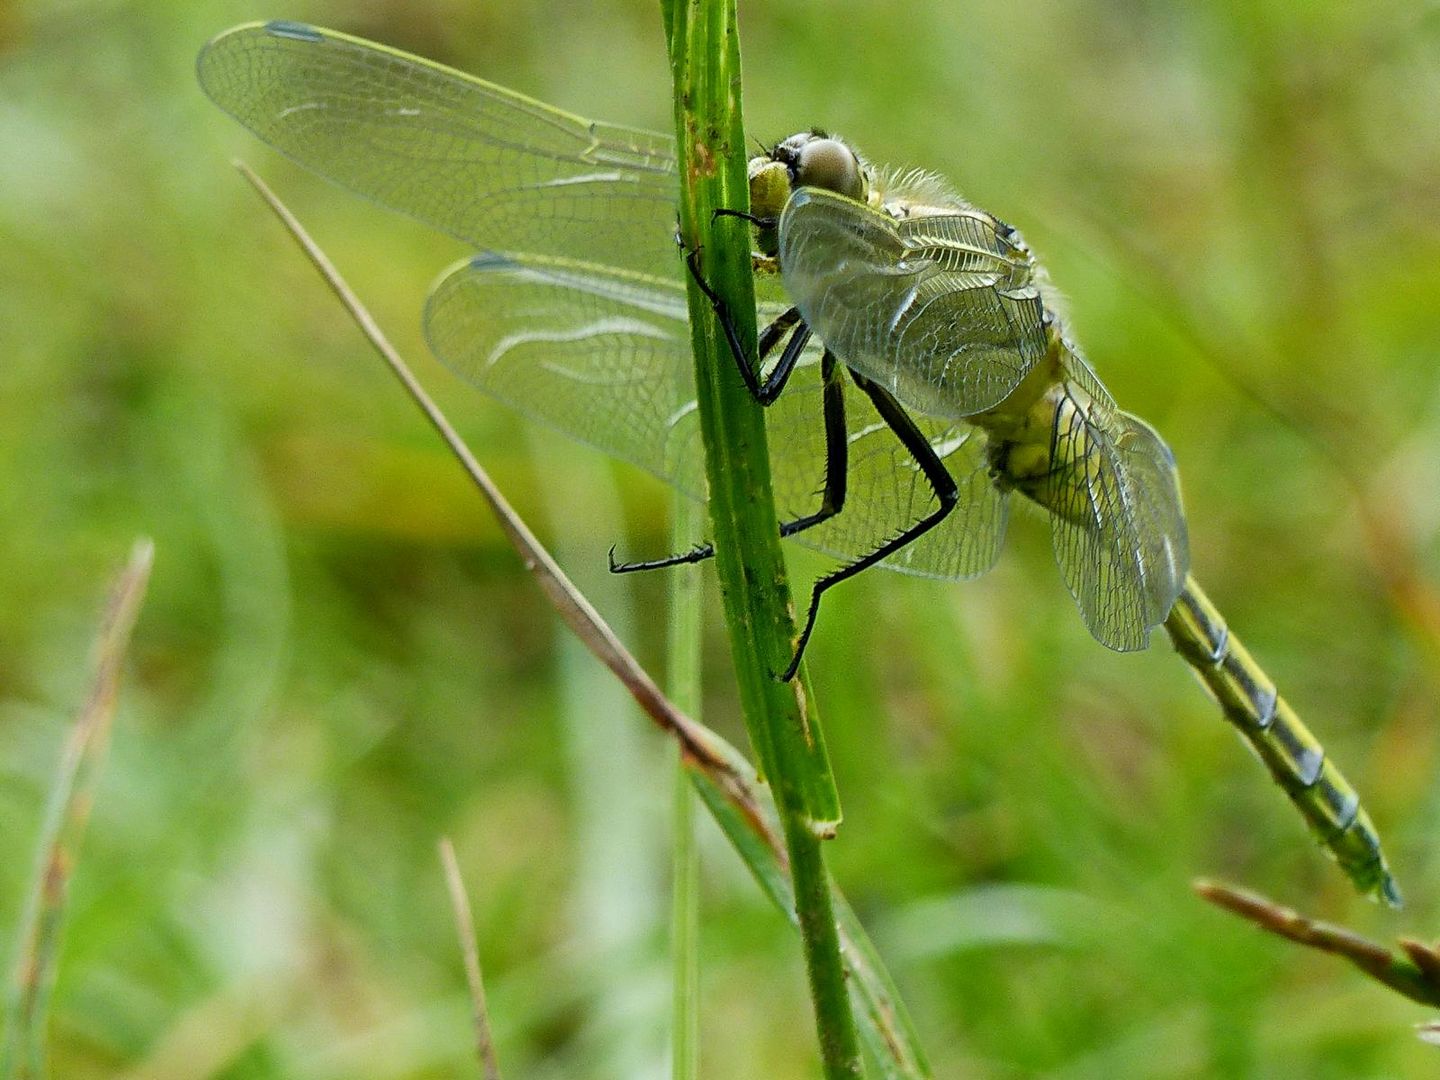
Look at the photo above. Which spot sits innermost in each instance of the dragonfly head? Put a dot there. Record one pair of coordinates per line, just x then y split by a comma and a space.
808, 159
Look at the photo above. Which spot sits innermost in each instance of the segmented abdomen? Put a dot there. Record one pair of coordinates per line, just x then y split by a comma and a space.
1293, 755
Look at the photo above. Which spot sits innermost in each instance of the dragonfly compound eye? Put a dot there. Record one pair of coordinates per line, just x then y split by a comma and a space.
829, 164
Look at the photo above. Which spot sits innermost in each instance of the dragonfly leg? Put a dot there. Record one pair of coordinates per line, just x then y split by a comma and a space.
832, 497
744, 215
699, 553
768, 389
947, 495
837, 445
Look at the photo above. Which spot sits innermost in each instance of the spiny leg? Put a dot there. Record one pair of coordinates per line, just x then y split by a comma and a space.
767, 390
947, 494
837, 445
744, 215
765, 393
832, 496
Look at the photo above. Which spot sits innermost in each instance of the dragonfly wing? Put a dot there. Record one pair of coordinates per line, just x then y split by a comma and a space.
940, 310
1162, 539
967, 542
887, 491
592, 351
604, 356
485, 164
1116, 517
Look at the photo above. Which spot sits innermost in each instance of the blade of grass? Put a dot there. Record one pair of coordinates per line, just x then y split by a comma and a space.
705, 66
724, 779
470, 952
683, 688
71, 796
884, 1022
685, 935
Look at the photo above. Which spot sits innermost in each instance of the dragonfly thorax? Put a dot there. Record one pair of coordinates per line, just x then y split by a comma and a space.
1021, 434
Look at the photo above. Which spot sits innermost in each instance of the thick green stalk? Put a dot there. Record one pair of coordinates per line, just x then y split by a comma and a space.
705, 63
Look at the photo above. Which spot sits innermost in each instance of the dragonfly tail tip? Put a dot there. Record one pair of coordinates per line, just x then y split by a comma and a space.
1390, 892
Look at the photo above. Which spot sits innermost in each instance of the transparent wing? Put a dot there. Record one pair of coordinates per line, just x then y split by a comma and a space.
1116, 518
597, 353
604, 356
941, 310
886, 488
485, 164
967, 543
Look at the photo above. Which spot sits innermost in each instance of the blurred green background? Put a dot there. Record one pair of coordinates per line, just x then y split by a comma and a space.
340, 660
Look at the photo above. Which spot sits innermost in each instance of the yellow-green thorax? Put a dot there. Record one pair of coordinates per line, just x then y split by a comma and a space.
1023, 430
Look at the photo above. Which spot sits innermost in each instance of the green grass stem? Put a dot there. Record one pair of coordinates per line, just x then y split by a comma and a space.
682, 686
705, 62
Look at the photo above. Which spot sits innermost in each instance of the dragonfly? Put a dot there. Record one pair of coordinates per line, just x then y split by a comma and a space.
928, 374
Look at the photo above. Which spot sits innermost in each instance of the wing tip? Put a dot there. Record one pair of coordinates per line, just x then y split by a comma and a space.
210, 52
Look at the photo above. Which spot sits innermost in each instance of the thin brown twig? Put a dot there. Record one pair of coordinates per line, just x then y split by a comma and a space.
1414, 971
576, 611
470, 952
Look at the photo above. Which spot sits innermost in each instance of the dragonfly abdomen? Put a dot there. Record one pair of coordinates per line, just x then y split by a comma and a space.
1022, 449
1295, 758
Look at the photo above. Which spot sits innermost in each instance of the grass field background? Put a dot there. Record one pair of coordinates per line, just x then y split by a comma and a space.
340, 660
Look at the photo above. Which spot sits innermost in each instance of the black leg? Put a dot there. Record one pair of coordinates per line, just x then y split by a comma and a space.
832, 497
941, 482
837, 445
771, 335
763, 392
753, 219
699, 553
767, 391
